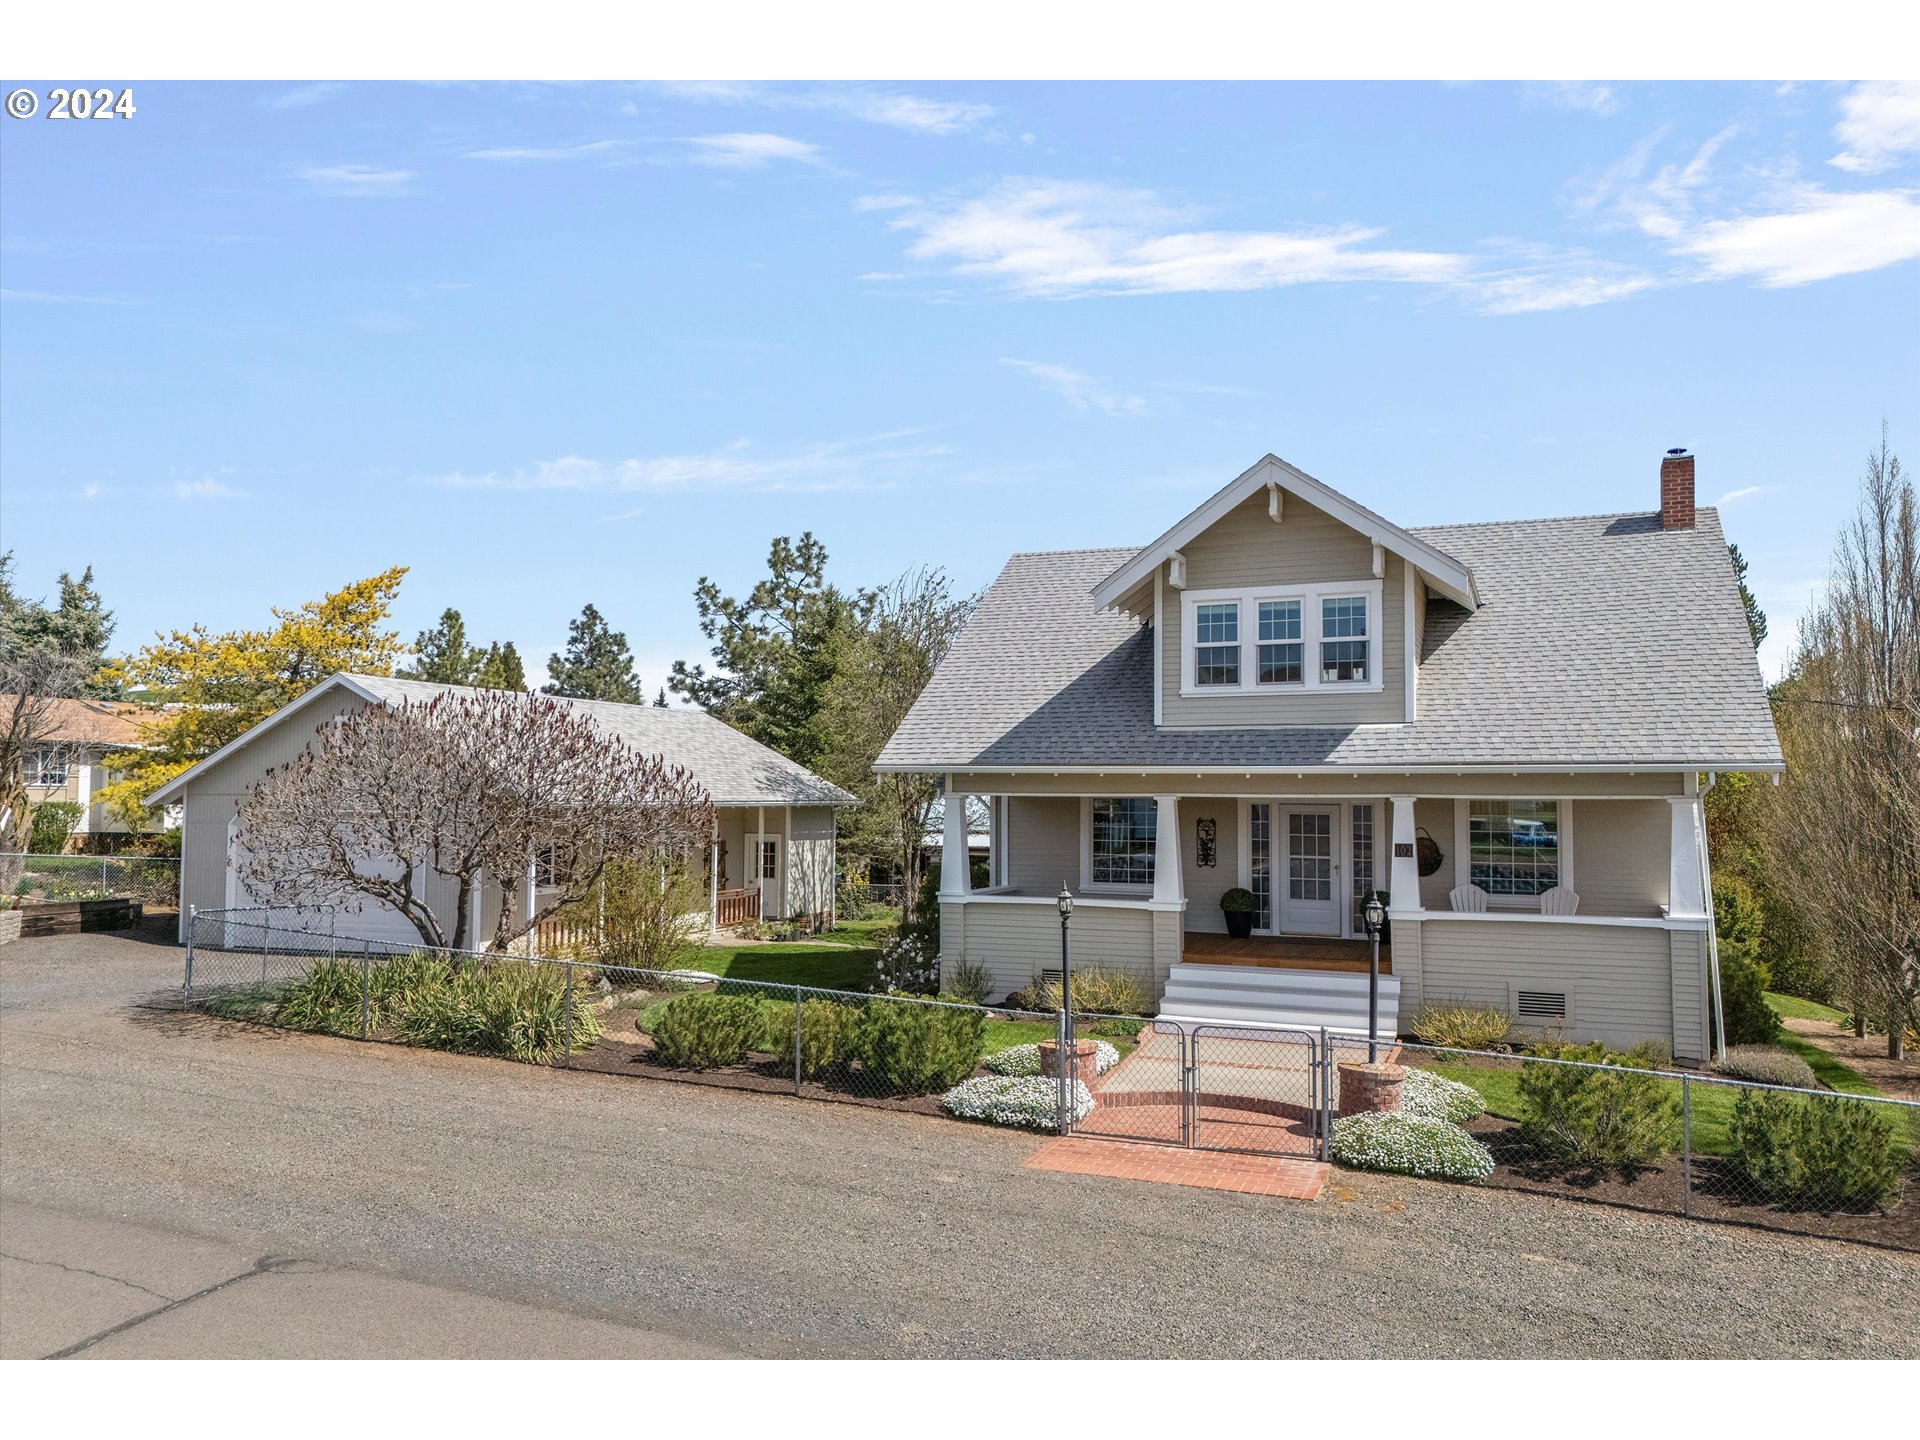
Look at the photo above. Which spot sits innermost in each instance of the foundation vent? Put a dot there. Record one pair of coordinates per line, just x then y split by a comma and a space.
1541, 1004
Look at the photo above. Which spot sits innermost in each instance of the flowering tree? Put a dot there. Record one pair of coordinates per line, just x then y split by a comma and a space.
472, 785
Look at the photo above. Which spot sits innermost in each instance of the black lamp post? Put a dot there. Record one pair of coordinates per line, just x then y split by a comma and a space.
1064, 1040
1375, 915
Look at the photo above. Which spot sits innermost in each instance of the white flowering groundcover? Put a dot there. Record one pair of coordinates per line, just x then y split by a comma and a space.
1438, 1098
1025, 1059
1031, 1102
1404, 1144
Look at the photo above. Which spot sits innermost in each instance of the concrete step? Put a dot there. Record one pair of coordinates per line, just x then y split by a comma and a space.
1303, 999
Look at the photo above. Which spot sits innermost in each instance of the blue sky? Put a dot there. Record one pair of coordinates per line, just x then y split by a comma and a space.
565, 343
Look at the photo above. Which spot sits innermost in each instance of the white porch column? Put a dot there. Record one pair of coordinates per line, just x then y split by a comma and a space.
955, 878
713, 884
1169, 879
1403, 876
1686, 893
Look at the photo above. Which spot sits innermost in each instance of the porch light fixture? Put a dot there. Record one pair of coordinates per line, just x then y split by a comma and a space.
1066, 904
1063, 1037
1375, 915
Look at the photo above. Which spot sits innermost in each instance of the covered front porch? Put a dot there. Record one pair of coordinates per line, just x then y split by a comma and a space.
1283, 952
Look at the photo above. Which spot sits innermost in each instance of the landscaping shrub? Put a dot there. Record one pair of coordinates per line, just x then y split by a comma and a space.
828, 1033
1438, 1098
703, 1032
912, 1049
52, 825
507, 1009
1025, 1059
1029, 1102
964, 980
1769, 1065
1839, 1154
1405, 1144
1097, 990
1117, 1028
1457, 1025
1743, 1001
906, 962
1598, 1119
394, 984
325, 1000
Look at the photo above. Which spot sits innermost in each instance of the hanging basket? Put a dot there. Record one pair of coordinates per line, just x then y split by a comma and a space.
1427, 851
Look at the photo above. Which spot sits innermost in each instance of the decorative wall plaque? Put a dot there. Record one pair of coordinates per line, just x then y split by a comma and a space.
1203, 846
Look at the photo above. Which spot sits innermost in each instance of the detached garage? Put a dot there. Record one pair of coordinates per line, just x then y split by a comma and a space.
773, 858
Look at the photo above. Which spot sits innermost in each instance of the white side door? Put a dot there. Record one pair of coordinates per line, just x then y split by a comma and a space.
767, 861
1310, 880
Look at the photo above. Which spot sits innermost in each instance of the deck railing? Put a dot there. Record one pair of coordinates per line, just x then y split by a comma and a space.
735, 907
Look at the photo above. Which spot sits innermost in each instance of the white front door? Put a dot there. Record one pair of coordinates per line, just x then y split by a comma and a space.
766, 874
1309, 888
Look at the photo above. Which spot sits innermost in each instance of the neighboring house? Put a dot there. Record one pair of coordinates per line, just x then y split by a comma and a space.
69, 762
1505, 726
773, 859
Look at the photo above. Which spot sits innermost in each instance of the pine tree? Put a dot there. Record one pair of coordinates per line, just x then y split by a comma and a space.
660, 700
597, 664
1756, 617
501, 669
445, 656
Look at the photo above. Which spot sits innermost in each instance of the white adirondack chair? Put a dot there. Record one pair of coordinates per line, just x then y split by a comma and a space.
1468, 899
1558, 901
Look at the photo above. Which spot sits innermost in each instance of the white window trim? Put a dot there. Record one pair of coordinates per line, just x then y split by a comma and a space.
1309, 596
1109, 887
1463, 862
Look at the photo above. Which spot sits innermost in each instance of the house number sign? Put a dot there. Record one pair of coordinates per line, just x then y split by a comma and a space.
1402, 850
1203, 848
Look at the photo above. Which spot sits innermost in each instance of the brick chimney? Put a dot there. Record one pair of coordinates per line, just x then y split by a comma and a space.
1676, 490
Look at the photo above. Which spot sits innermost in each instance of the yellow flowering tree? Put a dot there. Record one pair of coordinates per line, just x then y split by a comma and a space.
216, 687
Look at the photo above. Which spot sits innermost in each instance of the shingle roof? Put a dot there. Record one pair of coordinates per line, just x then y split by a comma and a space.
1601, 641
112, 723
734, 768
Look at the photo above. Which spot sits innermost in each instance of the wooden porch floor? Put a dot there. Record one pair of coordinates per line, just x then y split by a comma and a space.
1282, 952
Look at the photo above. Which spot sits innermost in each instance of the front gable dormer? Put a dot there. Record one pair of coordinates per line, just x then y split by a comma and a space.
1281, 602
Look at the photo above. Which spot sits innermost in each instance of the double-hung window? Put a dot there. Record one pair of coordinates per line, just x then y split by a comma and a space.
1280, 645
1343, 639
1216, 635
1122, 843
45, 767
1514, 846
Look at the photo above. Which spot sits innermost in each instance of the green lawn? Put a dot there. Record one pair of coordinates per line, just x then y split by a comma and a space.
1792, 1007
803, 962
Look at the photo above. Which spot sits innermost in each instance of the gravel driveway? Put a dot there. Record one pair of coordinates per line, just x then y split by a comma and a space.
767, 1225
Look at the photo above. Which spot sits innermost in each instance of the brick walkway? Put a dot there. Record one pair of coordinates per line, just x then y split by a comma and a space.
1291, 1179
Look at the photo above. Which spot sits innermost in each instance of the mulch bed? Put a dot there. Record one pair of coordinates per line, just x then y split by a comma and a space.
1720, 1192
771, 1076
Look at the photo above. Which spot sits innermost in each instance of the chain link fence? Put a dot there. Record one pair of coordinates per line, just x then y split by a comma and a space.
152, 880
1696, 1144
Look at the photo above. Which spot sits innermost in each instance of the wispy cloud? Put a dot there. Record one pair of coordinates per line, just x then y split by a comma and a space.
302, 96
750, 151
1879, 125
873, 462
1747, 492
875, 105
1062, 238
59, 297
1817, 235
583, 151
1081, 390
1590, 96
1566, 285
356, 179
208, 489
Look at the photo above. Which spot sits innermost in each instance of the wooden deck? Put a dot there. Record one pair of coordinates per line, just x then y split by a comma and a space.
1281, 952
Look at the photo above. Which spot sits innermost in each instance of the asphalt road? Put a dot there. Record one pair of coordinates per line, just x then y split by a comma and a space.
173, 1185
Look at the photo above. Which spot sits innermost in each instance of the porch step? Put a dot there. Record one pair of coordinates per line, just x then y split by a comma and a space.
1308, 999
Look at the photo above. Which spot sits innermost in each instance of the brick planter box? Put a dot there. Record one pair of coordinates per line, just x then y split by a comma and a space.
1370, 1087
1086, 1058
9, 925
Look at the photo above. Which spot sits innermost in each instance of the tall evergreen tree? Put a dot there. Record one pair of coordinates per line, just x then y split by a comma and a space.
501, 669
445, 657
660, 700
1756, 617
597, 664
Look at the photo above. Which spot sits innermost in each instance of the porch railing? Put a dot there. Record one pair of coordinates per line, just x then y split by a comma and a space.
735, 907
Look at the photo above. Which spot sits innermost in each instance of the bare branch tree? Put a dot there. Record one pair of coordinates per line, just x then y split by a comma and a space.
1846, 824
472, 786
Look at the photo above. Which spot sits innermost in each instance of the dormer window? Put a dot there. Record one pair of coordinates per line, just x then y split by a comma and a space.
1216, 635
1343, 639
1293, 637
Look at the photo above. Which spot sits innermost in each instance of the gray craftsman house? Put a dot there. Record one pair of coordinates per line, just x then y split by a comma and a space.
772, 859
1506, 728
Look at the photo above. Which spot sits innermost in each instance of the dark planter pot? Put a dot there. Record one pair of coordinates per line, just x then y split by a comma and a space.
1239, 923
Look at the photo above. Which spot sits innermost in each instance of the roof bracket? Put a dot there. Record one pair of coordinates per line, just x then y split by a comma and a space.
1379, 561
1177, 570
1276, 501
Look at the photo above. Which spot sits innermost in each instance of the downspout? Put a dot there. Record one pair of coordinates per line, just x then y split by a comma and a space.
1713, 932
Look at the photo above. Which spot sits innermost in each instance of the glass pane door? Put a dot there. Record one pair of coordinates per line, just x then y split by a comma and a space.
1309, 855
1363, 885
1260, 864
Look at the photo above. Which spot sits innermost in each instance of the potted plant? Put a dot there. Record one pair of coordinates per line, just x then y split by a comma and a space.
1239, 906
